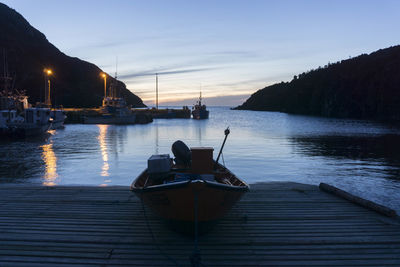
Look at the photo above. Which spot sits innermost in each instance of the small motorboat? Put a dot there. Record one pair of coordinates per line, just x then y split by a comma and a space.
191, 188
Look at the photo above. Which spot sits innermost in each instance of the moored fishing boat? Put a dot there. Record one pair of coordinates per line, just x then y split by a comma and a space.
114, 109
18, 118
199, 111
193, 188
36, 122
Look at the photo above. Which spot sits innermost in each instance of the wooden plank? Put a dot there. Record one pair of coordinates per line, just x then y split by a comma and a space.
274, 224
358, 200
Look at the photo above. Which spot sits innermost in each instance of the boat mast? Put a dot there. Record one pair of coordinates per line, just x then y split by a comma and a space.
200, 99
114, 93
6, 77
200, 96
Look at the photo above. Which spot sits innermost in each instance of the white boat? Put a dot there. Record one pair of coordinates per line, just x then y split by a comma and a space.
18, 119
57, 118
36, 122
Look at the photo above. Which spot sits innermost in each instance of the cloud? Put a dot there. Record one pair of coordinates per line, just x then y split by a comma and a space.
228, 100
93, 46
235, 53
267, 81
162, 72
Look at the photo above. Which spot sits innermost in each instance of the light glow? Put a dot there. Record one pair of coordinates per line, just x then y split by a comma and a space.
48, 71
103, 147
50, 160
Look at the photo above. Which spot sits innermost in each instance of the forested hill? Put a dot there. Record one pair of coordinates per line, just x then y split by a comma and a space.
75, 83
365, 87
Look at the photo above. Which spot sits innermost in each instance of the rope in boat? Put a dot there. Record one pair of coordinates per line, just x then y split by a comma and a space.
195, 258
153, 237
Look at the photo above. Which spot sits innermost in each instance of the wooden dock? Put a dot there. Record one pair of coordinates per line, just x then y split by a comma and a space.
274, 224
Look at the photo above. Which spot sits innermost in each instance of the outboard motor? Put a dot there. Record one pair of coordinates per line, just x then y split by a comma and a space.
182, 153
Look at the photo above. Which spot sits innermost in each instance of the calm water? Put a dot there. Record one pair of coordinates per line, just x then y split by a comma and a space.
358, 156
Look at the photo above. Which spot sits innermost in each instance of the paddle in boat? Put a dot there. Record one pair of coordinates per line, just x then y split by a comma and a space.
191, 189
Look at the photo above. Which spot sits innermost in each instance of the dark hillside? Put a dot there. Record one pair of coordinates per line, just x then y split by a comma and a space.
365, 87
76, 83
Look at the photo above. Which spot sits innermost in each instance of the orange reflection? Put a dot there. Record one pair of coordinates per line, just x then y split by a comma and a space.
103, 148
50, 159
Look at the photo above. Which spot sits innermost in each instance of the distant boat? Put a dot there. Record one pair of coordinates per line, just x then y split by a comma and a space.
194, 189
114, 110
199, 111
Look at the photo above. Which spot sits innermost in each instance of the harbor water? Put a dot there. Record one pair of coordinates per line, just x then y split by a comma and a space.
361, 157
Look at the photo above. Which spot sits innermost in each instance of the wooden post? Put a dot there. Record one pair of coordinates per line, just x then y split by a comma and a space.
358, 200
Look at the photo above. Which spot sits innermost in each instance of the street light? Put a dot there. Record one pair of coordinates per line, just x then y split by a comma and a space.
47, 101
105, 83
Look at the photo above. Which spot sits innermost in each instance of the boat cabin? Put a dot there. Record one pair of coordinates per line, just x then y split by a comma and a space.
37, 116
117, 102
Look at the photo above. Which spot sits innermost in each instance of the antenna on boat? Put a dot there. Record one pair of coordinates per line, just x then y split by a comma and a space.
223, 144
6, 77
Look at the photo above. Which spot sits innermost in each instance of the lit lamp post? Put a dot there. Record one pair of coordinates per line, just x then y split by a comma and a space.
105, 83
47, 100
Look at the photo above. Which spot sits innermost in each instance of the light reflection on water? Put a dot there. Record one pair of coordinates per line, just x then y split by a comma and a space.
103, 148
50, 161
359, 156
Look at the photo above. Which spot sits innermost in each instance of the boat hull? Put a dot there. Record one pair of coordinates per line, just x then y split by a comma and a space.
22, 130
111, 120
177, 201
200, 114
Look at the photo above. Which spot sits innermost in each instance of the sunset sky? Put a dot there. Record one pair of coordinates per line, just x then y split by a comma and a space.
226, 49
